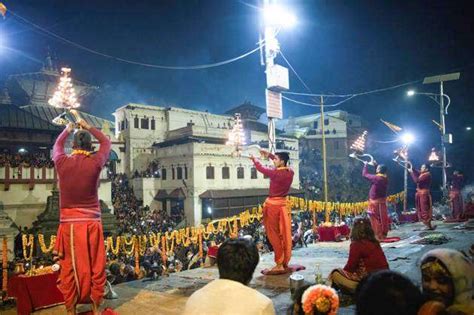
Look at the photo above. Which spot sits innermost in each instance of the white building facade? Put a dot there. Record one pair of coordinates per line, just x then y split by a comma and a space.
197, 171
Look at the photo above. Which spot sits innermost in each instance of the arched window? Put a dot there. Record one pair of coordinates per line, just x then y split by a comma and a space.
180, 172
163, 173
240, 172
225, 172
210, 172
253, 173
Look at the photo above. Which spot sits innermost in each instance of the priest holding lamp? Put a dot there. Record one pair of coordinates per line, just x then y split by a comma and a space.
276, 210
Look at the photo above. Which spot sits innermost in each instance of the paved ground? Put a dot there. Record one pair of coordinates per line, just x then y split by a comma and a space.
168, 295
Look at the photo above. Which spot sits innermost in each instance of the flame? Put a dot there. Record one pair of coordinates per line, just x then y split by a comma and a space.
65, 95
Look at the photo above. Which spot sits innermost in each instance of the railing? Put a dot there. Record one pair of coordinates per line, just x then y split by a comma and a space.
32, 175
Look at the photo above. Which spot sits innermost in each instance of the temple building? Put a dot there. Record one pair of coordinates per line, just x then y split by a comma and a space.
27, 133
195, 169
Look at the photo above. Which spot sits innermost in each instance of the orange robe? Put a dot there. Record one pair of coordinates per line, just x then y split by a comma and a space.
277, 222
80, 246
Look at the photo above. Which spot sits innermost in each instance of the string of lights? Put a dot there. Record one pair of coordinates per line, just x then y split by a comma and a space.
138, 63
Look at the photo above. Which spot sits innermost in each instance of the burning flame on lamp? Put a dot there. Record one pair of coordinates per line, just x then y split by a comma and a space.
359, 143
64, 96
433, 156
237, 135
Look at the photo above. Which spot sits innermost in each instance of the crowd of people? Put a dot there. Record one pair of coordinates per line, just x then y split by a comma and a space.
25, 159
152, 170
446, 277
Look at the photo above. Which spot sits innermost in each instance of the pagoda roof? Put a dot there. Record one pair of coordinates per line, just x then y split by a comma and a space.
48, 113
16, 118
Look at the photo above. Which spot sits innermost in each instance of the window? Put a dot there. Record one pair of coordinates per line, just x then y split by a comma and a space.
350, 121
173, 174
185, 172
180, 172
153, 124
135, 122
163, 173
326, 121
122, 125
144, 123
210, 172
240, 172
253, 173
126, 123
225, 172
315, 124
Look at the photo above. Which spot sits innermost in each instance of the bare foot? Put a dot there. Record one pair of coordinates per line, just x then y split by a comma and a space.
278, 268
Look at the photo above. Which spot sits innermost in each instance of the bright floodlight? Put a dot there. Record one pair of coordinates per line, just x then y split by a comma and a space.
411, 93
468, 128
275, 15
407, 138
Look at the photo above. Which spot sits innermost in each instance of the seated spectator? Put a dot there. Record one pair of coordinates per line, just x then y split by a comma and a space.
447, 277
389, 293
230, 294
365, 256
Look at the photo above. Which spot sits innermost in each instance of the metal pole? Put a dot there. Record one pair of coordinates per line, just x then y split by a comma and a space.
443, 133
270, 39
405, 185
323, 145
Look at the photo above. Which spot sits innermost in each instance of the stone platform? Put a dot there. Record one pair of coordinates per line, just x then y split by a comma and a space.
168, 295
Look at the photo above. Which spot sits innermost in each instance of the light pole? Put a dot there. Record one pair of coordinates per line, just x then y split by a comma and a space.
439, 98
407, 139
274, 17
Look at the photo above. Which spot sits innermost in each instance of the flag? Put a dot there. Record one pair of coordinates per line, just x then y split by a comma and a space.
391, 126
3, 9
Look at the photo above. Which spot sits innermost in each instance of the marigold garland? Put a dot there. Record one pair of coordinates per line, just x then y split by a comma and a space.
137, 244
27, 242
52, 243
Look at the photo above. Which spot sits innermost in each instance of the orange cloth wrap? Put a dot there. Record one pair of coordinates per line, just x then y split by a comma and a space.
277, 222
80, 245
378, 216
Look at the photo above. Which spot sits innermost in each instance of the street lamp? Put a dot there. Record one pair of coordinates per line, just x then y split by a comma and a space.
439, 98
407, 138
274, 18
468, 128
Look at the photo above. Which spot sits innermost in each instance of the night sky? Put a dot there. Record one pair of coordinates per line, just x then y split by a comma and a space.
337, 47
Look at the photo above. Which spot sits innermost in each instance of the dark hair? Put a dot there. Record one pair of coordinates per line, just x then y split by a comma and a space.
362, 230
387, 292
383, 169
82, 140
237, 260
284, 156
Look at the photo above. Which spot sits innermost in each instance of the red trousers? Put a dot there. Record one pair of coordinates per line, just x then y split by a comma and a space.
457, 205
80, 245
277, 222
378, 216
423, 205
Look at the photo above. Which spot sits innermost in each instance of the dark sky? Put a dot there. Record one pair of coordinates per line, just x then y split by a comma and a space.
336, 47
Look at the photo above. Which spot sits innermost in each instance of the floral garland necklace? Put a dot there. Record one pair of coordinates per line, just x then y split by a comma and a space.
82, 152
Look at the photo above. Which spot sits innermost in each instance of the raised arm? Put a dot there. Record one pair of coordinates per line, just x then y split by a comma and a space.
58, 148
262, 169
104, 150
415, 175
367, 175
